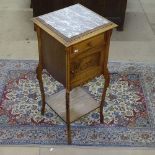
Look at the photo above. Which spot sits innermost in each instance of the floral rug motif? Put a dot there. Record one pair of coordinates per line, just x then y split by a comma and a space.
129, 110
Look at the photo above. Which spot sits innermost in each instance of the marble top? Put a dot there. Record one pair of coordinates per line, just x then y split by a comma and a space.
73, 21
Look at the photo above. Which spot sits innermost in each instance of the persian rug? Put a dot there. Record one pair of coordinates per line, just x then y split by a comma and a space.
129, 110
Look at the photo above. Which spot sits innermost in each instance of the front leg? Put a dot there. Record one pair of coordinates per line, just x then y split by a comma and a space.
68, 117
39, 77
106, 85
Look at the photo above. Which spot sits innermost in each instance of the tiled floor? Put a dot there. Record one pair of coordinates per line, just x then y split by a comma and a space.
135, 43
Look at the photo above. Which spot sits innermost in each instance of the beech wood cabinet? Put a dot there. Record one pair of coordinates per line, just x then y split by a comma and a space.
114, 10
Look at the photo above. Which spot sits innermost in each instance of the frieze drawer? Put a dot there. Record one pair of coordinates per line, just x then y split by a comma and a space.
97, 41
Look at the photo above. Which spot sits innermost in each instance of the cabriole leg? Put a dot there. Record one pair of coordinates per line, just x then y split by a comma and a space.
106, 85
39, 77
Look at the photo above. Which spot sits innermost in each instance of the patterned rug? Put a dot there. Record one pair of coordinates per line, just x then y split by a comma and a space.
129, 109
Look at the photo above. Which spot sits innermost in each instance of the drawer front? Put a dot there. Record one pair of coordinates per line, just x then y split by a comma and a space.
86, 66
94, 42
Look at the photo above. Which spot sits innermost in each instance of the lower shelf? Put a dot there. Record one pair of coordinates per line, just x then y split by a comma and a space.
81, 103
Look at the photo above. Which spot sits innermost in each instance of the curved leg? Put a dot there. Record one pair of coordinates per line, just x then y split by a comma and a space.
39, 77
68, 117
106, 85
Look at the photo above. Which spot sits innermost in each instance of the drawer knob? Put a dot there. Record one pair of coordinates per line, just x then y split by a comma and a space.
72, 72
76, 51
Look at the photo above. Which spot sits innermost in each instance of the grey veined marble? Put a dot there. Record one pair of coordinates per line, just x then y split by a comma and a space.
73, 20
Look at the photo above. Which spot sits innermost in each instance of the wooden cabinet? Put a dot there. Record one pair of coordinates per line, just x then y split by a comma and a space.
114, 10
73, 53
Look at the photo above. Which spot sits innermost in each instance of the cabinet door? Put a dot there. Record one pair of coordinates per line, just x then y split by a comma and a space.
86, 60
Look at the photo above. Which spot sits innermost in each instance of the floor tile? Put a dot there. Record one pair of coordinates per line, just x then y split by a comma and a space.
149, 9
151, 17
19, 150
16, 26
147, 1
132, 51
136, 28
148, 5
14, 4
153, 28
134, 6
20, 50
95, 151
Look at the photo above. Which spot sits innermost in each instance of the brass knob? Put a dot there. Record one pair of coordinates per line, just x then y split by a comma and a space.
72, 72
76, 51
